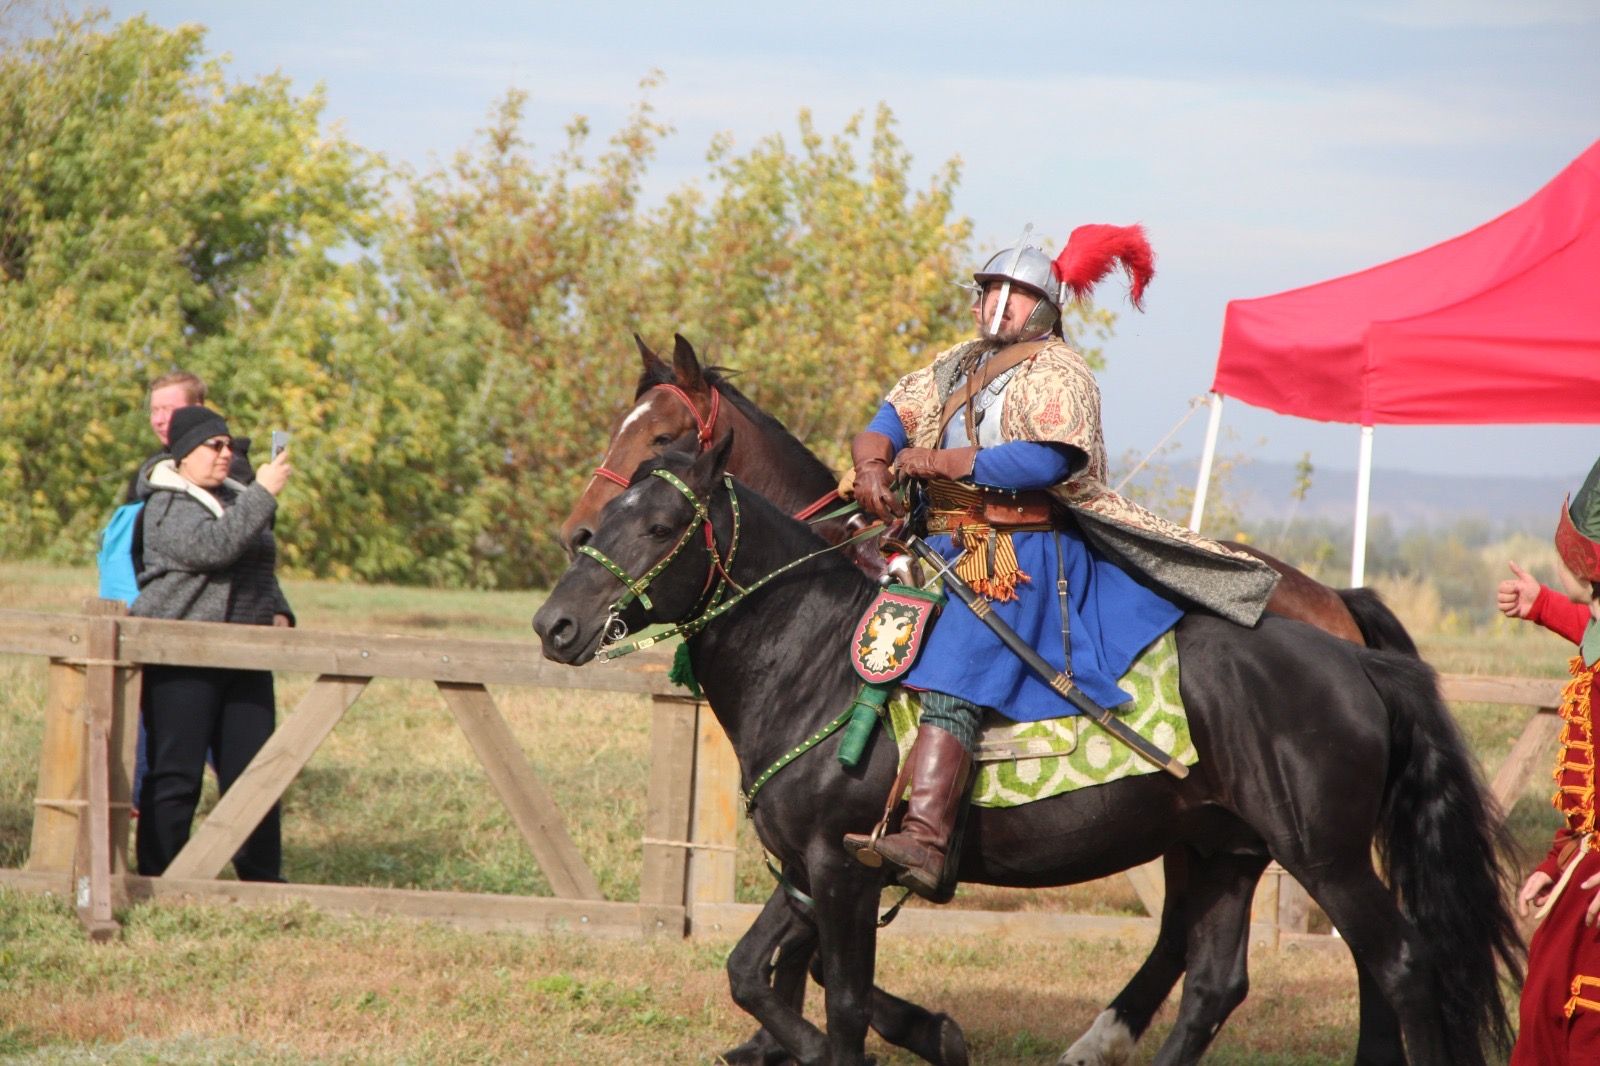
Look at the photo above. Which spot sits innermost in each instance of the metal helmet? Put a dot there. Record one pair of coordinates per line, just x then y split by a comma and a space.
1028, 268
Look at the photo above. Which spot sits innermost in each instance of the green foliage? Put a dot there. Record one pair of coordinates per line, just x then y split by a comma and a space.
448, 349
822, 273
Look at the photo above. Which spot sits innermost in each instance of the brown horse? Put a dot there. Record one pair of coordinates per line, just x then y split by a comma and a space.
688, 403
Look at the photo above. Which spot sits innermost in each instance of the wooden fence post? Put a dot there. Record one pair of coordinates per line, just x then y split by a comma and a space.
59, 796
716, 814
100, 688
668, 811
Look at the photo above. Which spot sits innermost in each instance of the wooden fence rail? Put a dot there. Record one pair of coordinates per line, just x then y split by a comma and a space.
80, 830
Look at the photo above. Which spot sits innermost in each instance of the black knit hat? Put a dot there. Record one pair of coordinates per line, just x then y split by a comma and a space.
191, 427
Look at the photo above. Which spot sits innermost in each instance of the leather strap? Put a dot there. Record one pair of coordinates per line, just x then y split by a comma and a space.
1001, 361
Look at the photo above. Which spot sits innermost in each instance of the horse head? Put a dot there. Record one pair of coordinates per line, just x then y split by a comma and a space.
644, 562
673, 405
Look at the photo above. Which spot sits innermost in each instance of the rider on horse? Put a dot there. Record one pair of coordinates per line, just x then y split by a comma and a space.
1005, 431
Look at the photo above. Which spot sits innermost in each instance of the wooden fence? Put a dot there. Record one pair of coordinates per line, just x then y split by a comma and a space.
80, 829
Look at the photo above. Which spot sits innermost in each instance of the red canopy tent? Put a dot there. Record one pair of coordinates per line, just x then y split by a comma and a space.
1498, 325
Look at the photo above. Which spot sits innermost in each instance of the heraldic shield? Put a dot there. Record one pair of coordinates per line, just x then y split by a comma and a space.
891, 632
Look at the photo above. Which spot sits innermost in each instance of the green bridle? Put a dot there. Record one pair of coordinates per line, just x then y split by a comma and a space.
635, 588
719, 603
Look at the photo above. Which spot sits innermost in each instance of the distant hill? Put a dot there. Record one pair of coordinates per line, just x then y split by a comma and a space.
1261, 491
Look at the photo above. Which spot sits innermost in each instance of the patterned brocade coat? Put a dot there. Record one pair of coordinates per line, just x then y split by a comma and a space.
1053, 398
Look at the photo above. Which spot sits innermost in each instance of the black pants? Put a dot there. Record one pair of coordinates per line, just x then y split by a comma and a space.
188, 710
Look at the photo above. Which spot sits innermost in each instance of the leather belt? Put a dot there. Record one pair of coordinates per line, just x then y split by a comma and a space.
952, 504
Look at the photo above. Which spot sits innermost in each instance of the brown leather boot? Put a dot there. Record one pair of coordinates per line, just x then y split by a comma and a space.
940, 769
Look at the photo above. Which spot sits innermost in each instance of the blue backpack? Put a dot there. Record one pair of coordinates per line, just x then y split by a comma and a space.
122, 553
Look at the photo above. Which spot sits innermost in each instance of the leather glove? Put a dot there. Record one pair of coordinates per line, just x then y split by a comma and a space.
951, 464
873, 482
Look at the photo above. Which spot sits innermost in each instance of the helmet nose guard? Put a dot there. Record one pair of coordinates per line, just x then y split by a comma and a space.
1030, 269
1033, 271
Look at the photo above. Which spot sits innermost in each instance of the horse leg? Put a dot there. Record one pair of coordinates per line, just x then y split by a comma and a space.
762, 977
1379, 1043
935, 1038
1110, 1040
1216, 909
1386, 950
847, 918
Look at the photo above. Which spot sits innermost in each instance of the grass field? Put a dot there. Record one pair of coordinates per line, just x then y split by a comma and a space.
395, 798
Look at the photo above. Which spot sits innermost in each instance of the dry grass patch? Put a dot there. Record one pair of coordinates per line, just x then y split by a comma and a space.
214, 983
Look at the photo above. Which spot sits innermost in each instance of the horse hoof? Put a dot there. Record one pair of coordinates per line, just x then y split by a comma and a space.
754, 1052
1109, 1042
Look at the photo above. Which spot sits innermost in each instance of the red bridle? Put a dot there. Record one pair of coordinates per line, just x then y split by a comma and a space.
703, 438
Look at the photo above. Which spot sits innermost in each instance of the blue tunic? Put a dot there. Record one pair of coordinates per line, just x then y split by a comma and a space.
1112, 616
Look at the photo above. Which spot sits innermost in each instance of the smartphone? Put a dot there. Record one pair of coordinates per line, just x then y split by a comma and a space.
280, 441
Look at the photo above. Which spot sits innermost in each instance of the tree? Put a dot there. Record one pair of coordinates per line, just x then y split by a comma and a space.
818, 271
448, 349
153, 215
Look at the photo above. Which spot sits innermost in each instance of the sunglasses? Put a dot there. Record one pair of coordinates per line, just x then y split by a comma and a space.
216, 444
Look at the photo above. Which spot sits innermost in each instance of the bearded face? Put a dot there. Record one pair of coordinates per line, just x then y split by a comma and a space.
1020, 303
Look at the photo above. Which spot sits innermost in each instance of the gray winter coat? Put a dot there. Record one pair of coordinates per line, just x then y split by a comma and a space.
209, 555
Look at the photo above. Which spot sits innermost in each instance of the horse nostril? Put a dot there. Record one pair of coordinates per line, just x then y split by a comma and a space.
560, 634
580, 537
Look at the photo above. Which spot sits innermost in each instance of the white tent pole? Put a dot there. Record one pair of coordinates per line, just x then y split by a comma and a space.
1203, 481
1358, 549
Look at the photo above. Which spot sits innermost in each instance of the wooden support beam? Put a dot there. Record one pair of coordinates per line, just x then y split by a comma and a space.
94, 829
1533, 753
669, 803
529, 802
1150, 882
280, 759
715, 832
59, 795
478, 911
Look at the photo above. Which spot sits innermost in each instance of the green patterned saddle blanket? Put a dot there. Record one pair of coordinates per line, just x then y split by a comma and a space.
1019, 762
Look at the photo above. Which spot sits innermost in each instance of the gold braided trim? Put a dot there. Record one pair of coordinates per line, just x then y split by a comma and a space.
989, 559
1578, 984
1577, 735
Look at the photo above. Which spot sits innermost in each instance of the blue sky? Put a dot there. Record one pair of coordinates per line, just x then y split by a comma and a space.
1263, 145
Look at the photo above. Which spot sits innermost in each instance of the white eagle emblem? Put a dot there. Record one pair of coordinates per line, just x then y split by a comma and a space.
888, 633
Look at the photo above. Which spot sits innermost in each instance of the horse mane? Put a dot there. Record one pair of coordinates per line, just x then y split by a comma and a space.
721, 379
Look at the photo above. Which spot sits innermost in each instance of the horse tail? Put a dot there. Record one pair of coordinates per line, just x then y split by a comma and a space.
1379, 626
1442, 841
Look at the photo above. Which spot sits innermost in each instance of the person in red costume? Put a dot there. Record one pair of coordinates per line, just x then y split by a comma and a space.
1560, 1009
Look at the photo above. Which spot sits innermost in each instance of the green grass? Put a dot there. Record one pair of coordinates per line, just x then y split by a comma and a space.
395, 797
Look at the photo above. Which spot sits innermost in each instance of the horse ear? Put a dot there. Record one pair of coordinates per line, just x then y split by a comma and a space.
652, 361
687, 365
710, 464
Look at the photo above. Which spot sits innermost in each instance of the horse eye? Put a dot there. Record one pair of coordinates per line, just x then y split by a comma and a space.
660, 532
663, 440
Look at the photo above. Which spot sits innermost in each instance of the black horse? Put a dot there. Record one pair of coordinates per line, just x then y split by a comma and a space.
1311, 749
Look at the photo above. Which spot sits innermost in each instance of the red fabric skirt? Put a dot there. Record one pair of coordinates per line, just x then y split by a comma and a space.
1560, 1009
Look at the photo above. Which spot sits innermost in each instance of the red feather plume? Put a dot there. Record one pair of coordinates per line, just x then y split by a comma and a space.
1092, 251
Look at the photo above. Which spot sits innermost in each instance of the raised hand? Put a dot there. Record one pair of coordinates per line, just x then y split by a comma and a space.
1515, 595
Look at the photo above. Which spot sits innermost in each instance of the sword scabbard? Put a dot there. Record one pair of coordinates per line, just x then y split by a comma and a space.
1058, 681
